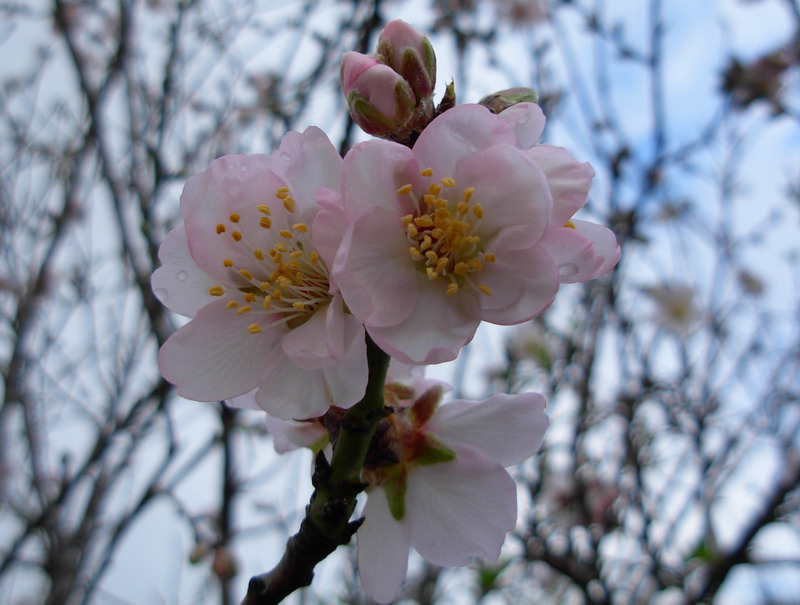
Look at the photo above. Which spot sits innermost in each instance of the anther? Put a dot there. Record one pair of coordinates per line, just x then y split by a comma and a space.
232, 304
405, 189
245, 273
250, 297
300, 227
570, 224
243, 310
485, 290
254, 328
298, 306
452, 288
216, 291
265, 222
448, 182
264, 209
467, 195
220, 228
435, 188
282, 193
227, 263
427, 172
290, 204
477, 210
286, 233
234, 217
267, 302
258, 254
236, 235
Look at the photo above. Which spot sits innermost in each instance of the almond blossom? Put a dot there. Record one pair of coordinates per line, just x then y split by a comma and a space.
475, 223
438, 484
250, 266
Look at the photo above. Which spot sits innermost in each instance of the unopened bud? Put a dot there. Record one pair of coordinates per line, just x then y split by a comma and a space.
409, 53
379, 99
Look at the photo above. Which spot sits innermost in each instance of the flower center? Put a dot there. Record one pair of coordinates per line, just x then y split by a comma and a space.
442, 233
288, 281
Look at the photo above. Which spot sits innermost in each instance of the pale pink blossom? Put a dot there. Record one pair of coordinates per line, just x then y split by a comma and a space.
441, 487
250, 266
472, 224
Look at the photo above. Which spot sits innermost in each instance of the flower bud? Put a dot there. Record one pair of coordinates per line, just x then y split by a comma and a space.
379, 99
410, 54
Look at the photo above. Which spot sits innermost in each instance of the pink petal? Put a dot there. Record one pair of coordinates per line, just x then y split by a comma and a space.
457, 133
460, 509
528, 121
306, 162
307, 345
511, 189
507, 428
382, 549
346, 380
288, 391
523, 284
605, 244
374, 271
214, 357
569, 180
288, 435
179, 283
329, 225
232, 184
435, 330
371, 175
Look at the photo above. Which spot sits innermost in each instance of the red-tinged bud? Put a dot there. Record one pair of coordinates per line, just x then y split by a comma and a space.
380, 100
410, 54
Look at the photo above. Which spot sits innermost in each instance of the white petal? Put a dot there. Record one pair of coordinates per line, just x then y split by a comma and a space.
460, 509
382, 549
507, 428
288, 391
179, 283
346, 380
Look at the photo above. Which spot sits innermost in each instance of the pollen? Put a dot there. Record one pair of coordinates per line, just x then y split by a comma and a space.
290, 204
286, 233
232, 304
235, 218
216, 291
300, 227
243, 310
282, 193
227, 263
254, 328
452, 288
265, 222
220, 228
405, 189
477, 210
264, 209
250, 297
258, 254
299, 306
427, 172
237, 235
448, 182
245, 273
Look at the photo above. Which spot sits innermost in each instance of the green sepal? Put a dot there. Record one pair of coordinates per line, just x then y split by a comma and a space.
504, 99
434, 451
395, 488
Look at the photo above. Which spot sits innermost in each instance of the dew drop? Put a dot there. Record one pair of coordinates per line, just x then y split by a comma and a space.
568, 269
161, 294
182, 275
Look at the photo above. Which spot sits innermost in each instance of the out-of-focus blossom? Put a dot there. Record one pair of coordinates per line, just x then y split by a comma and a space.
250, 266
676, 307
750, 282
522, 13
472, 224
438, 484
760, 79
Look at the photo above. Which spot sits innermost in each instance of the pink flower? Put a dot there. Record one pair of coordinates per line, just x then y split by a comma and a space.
472, 224
441, 487
250, 266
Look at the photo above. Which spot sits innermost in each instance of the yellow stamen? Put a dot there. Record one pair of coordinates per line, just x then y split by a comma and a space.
477, 210
468, 193
405, 189
265, 222
490, 258
220, 228
434, 188
427, 172
300, 227
485, 290
461, 268
243, 310
286, 233
570, 224
250, 297
232, 304
314, 257
299, 306
415, 253
234, 217
267, 302
236, 235
290, 204
227, 263
254, 328
282, 193
258, 254
448, 182
452, 289
245, 273
264, 209
216, 291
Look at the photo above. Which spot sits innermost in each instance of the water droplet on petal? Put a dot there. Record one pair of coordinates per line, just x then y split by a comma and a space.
182, 275
568, 269
161, 294
458, 136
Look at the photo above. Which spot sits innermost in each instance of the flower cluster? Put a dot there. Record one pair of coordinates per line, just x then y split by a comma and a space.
292, 265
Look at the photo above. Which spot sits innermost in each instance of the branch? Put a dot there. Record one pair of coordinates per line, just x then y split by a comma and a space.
336, 485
